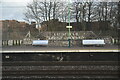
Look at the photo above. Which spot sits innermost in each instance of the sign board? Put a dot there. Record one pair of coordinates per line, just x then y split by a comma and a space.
68, 26
40, 42
93, 42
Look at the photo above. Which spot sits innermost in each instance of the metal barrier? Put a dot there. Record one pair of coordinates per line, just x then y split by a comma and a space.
115, 41
78, 42
11, 42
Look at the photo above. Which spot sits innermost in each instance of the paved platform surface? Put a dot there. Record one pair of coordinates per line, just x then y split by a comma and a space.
35, 49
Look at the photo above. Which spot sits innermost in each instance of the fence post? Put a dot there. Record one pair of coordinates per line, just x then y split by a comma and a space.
13, 42
2, 43
7, 42
113, 41
17, 42
116, 41
20, 42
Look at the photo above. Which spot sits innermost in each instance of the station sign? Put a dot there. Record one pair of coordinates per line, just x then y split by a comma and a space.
68, 26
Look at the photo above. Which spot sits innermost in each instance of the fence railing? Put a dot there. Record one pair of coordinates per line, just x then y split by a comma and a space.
53, 42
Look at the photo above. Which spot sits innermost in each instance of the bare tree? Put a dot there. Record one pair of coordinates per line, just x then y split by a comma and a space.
63, 12
82, 12
76, 6
34, 12
119, 13
89, 10
43, 10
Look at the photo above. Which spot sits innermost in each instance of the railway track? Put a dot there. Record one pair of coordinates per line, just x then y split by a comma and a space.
59, 63
65, 70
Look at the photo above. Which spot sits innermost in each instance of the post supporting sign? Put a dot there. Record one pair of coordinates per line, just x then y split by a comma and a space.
69, 34
69, 27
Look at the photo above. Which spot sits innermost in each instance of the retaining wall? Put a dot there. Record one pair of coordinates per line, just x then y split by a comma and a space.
60, 38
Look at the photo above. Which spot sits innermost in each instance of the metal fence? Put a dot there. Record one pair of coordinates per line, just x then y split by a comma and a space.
53, 42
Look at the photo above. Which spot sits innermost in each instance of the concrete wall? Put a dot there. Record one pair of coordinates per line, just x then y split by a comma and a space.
63, 35
60, 39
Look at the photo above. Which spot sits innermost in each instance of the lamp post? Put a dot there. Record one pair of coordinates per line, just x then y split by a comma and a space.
69, 27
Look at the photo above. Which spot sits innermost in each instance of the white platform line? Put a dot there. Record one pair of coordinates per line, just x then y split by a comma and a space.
60, 51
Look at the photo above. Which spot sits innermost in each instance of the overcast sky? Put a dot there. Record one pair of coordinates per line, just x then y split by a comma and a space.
14, 9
